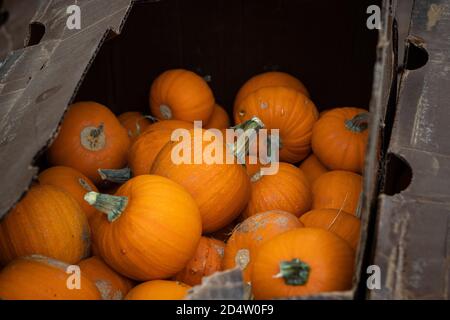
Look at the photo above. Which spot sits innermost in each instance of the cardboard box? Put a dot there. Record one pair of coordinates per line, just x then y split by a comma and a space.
122, 46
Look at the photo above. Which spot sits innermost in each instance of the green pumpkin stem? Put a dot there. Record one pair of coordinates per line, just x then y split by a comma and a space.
115, 175
113, 206
241, 146
358, 123
294, 272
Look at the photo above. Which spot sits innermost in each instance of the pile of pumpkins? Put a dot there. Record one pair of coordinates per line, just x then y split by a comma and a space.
140, 226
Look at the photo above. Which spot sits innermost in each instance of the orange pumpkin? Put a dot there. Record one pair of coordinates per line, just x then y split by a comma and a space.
341, 223
159, 290
219, 119
134, 122
221, 190
90, 138
73, 182
287, 190
151, 230
287, 110
206, 261
337, 190
40, 278
181, 94
268, 79
312, 168
340, 137
247, 238
170, 125
47, 221
111, 285
301, 262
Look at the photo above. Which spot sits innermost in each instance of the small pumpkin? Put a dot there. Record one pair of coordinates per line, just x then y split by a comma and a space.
221, 190
247, 238
151, 230
47, 221
219, 119
340, 138
312, 168
300, 262
268, 79
206, 261
343, 224
181, 94
134, 122
287, 190
287, 110
90, 138
337, 189
73, 182
37, 277
111, 285
159, 290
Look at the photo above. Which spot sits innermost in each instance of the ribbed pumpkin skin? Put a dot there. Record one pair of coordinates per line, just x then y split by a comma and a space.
170, 125
338, 147
287, 110
156, 234
72, 181
341, 223
268, 79
159, 290
184, 93
40, 278
220, 190
47, 221
68, 149
134, 122
252, 234
145, 149
312, 168
206, 261
110, 284
329, 257
337, 190
219, 119
287, 190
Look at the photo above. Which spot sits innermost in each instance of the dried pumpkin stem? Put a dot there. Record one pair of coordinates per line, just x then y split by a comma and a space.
358, 123
115, 175
113, 206
241, 147
294, 272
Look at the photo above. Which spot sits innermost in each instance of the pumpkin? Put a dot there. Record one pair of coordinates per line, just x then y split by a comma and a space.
151, 230
159, 290
287, 110
134, 122
312, 168
268, 79
170, 125
248, 236
219, 119
287, 190
47, 221
337, 190
72, 181
111, 285
90, 138
181, 94
37, 277
341, 223
220, 189
206, 261
300, 262
340, 137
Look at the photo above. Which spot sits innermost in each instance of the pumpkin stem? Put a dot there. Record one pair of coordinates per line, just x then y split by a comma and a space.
241, 146
113, 206
97, 131
115, 175
294, 272
358, 123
